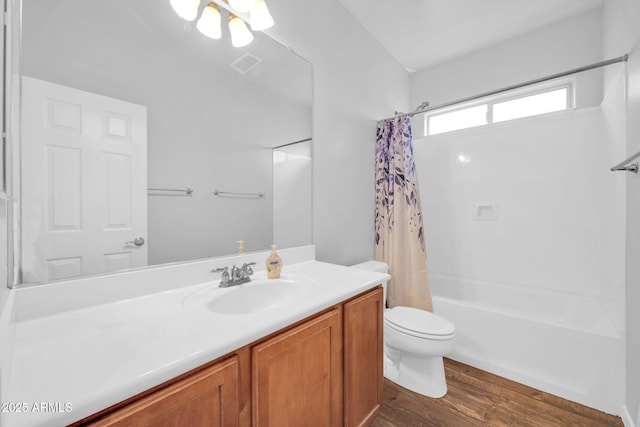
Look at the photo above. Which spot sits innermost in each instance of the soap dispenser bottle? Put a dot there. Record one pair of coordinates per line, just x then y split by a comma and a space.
273, 264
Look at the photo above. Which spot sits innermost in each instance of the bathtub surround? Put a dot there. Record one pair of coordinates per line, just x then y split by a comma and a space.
399, 239
537, 291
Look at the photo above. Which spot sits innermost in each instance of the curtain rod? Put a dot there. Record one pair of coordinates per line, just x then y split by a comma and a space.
424, 107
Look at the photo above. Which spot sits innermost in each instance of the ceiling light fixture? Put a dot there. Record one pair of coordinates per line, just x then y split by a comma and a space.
240, 34
261, 19
241, 12
242, 6
209, 22
186, 9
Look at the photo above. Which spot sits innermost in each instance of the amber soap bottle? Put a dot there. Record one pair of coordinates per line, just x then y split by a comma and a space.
273, 264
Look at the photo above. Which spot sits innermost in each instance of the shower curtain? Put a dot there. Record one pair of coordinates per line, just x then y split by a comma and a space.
399, 238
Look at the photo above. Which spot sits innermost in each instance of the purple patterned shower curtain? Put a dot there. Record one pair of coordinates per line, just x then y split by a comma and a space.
399, 238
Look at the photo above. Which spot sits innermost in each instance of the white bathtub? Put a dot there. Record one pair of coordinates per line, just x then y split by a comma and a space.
563, 344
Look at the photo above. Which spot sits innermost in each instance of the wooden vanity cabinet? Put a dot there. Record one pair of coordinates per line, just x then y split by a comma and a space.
363, 378
296, 376
323, 371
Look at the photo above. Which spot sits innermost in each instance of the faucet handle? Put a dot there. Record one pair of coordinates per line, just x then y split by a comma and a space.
224, 279
247, 268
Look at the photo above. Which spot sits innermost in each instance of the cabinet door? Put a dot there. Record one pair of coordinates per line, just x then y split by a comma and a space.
297, 375
363, 375
205, 399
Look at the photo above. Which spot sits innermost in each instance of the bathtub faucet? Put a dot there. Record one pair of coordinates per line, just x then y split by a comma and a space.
237, 276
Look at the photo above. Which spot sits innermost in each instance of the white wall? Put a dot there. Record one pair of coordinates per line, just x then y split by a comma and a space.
621, 34
566, 45
356, 83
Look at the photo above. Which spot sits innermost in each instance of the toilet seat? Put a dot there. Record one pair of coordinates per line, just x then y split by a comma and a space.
419, 323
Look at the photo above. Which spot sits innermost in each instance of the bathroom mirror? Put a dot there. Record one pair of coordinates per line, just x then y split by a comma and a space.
143, 142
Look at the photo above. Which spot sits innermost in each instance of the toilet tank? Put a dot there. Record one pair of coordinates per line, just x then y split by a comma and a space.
378, 267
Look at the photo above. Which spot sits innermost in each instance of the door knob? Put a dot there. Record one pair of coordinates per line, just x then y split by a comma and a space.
138, 241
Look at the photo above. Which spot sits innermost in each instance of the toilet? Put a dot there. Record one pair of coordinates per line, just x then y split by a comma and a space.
415, 342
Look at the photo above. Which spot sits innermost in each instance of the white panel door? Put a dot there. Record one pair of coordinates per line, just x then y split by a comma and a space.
84, 182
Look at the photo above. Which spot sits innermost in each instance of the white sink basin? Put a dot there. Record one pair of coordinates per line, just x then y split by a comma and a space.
258, 295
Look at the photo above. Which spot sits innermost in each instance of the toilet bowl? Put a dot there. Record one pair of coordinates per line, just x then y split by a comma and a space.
415, 342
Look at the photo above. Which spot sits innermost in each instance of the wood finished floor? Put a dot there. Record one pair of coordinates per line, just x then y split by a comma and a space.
478, 398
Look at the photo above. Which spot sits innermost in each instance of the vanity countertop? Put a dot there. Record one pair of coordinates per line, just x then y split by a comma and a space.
68, 365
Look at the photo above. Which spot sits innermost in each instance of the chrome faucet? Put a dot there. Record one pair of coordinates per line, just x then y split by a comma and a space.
237, 276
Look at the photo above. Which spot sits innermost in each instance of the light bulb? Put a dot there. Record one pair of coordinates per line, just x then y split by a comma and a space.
240, 34
209, 22
260, 17
186, 9
241, 6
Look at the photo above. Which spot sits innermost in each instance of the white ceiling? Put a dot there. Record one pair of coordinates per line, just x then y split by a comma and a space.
422, 33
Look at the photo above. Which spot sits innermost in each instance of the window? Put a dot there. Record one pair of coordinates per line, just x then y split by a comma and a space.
458, 119
532, 102
531, 105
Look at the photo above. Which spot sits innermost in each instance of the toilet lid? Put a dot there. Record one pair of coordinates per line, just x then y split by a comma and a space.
415, 321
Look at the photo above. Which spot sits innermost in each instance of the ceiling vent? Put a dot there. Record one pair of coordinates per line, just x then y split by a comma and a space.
246, 63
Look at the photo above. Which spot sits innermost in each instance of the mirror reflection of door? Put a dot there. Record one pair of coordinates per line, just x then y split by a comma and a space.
84, 180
